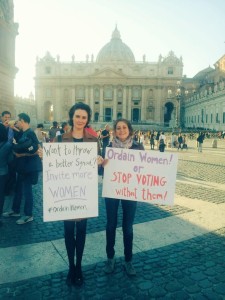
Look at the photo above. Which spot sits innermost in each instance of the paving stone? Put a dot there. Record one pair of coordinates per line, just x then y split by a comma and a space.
205, 283
157, 291
219, 288
145, 285
173, 286
192, 289
180, 295
191, 269
198, 276
211, 295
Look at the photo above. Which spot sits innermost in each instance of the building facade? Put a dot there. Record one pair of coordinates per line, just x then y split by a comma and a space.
114, 85
8, 70
204, 107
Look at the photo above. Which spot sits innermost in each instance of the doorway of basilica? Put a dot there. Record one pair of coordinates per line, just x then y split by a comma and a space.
135, 115
108, 114
169, 115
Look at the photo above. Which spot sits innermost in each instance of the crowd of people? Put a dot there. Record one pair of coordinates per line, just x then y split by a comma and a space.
20, 164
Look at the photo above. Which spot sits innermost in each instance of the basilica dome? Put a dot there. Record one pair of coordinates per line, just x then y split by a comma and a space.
115, 51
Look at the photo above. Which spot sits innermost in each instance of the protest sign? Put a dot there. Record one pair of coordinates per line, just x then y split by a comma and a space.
70, 181
139, 175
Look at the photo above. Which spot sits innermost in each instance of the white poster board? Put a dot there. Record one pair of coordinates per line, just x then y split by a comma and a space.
70, 181
139, 175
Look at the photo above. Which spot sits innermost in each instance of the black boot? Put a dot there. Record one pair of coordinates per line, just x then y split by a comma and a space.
71, 276
79, 280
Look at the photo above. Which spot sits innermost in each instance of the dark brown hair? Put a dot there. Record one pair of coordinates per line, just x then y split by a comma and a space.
79, 105
131, 131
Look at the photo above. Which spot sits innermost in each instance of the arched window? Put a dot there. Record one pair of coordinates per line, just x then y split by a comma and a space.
108, 114
96, 94
119, 94
80, 93
119, 115
136, 93
108, 92
96, 116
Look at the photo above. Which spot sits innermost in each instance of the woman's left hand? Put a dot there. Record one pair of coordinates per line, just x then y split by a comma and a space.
40, 152
100, 160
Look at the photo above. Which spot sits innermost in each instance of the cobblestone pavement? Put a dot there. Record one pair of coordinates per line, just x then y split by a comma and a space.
191, 269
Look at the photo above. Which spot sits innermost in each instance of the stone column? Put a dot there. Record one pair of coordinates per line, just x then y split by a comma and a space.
92, 99
73, 96
143, 104
124, 102
129, 104
57, 106
86, 95
101, 105
114, 103
158, 107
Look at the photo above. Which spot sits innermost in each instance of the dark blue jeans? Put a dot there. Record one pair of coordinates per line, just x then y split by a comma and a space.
3, 180
23, 188
129, 209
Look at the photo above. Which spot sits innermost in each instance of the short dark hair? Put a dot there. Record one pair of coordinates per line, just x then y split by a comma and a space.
131, 131
3, 133
6, 112
64, 124
79, 105
40, 125
55, 123
24, 117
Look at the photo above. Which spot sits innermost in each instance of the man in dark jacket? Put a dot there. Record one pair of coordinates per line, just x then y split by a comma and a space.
200, 140
24, 149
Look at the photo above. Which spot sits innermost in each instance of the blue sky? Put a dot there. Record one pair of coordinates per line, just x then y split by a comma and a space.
193, 29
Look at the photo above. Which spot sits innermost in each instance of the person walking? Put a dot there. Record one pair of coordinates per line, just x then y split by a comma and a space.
200, 140
162, 142
180, 142
105, 136
157, 138
152, 140
123, 132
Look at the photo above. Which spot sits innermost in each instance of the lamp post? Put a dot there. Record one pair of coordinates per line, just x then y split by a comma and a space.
181, 94
178, 98
176, 95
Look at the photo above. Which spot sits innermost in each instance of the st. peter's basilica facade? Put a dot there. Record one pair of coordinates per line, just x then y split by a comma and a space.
114, 85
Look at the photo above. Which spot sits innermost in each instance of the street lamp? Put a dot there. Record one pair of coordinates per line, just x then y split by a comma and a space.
177, 96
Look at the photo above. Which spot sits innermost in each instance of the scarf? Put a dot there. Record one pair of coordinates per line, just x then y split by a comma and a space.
116, 143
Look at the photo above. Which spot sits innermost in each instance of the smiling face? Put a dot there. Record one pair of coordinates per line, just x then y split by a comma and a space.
122, 131
80, 119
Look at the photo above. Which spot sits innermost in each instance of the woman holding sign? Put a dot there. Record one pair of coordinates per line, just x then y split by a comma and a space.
123, 133
75, 230
79, 118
